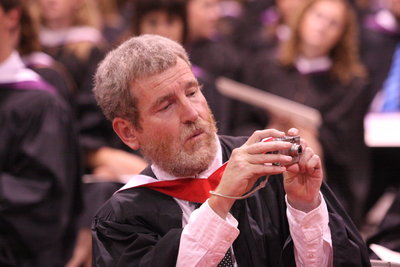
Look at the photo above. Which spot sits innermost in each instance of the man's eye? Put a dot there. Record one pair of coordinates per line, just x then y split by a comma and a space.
164, 108
195, 90
192, 93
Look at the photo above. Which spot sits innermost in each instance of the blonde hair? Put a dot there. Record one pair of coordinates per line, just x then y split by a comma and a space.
344, 55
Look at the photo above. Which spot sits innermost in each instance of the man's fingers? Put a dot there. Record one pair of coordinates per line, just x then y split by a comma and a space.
264, 169
313, 164
257, 136
293, 131
268, 146
309, 161
306, 155
269, 158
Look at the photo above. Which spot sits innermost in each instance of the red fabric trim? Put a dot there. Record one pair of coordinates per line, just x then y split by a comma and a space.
190, 189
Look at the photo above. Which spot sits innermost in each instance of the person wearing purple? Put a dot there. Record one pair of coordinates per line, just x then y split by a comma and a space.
39, 160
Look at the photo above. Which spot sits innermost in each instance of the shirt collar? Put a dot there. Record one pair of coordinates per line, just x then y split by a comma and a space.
13, 70
307, 65
216, 163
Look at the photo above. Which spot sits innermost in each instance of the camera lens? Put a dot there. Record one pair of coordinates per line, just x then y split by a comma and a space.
295, 150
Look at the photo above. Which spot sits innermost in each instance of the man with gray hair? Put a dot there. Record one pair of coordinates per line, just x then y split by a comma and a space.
259, 208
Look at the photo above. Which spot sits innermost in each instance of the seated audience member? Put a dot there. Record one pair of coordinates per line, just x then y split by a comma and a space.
168, 18
318, 66
39, 155
69, 31
147, 89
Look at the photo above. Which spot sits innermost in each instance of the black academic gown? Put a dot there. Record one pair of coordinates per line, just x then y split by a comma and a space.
39, 178
142, 227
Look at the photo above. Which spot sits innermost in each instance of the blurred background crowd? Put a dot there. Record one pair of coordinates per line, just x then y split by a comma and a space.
60, 159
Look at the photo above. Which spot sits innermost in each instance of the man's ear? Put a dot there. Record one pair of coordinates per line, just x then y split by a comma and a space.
126, 132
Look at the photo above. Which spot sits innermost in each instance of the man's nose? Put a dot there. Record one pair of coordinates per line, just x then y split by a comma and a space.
189, 112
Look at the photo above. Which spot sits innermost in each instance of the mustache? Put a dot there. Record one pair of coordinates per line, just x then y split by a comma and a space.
190, 128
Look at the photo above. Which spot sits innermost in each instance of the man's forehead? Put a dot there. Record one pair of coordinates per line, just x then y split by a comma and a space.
179, 75
155, 89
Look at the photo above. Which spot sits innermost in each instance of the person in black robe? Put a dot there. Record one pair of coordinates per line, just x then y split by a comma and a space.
39, 161
264, 240
160, 109
329, 78
78, 44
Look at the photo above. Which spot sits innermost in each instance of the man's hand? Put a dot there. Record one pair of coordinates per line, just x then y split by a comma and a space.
302, 181
246, 164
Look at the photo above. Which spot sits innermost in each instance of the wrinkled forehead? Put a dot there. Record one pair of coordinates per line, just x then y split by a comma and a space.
178, 76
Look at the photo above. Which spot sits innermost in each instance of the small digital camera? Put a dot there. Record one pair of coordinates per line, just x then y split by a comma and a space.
294, 151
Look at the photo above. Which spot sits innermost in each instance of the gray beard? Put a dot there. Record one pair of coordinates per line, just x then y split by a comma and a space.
183, 164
